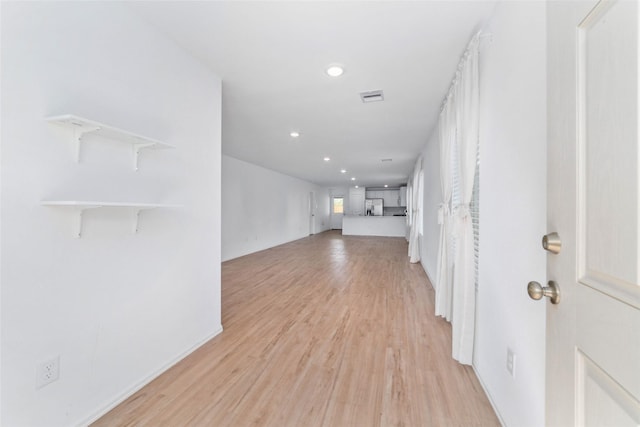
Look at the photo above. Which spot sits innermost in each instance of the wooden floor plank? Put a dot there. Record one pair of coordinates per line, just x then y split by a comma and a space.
329, 330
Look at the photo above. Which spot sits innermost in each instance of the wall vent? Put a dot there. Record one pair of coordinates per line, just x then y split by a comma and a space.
372, 96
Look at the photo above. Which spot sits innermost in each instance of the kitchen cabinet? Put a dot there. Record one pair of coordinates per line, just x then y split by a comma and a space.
356, 201
396, 198
391, 226
391, 197
403, 196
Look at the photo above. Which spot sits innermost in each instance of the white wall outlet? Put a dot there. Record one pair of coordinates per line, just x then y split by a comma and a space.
511, 362
47, 372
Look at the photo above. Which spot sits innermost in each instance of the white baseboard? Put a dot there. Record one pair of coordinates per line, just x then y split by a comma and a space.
426, 271
133, 389
493, 405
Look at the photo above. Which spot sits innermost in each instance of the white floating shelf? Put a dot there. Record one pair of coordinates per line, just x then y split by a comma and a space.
82, 127
80, 206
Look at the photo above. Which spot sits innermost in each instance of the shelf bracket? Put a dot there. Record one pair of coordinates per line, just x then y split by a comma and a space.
78, 134
136, 217
77, 229
136, 151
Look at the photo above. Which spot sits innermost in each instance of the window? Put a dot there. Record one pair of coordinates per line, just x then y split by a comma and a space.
475, 216
338, 205
409, 204
474, 206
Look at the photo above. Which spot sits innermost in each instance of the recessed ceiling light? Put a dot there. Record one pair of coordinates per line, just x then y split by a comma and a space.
326, 159
335, 70
353, 178
357, 186
385, 186
343, 171
294, 134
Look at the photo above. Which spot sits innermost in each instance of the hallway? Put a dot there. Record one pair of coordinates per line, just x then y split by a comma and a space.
323, 331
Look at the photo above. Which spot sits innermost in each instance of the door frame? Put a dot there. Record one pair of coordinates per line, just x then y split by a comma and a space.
313, 207
333, 215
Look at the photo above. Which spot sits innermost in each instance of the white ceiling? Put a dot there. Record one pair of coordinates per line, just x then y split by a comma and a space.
271, 57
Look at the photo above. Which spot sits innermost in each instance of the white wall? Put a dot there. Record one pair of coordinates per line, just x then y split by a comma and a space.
432, 198
512, 210
262, 208
117, 308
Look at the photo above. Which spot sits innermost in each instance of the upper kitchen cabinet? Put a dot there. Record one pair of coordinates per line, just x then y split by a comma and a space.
390, 196
374, 194
403, 196
356, 201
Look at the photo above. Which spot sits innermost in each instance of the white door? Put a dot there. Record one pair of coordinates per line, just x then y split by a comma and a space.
312, 213
593, 334
337, 212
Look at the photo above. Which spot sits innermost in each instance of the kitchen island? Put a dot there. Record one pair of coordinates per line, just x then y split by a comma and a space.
389, 226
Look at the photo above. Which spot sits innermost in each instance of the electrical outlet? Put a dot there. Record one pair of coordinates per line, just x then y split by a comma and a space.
47, 372
511, 362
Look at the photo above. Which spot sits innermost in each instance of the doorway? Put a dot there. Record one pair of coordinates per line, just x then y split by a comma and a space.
337, 212
312, 213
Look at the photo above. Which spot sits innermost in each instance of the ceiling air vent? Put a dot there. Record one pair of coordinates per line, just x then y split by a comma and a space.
372, 96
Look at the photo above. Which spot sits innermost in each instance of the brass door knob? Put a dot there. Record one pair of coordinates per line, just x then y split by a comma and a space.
537, 291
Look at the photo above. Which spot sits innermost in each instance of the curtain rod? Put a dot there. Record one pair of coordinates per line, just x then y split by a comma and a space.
480, 35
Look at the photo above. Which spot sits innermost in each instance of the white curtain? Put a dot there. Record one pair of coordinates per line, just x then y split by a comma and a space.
464, 294
408, 210
462, 103
414, 244
447, 133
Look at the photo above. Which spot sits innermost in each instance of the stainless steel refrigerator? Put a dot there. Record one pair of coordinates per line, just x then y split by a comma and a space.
374, 207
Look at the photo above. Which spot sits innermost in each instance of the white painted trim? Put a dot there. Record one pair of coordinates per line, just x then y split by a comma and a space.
275, 246
136, 387
486, 391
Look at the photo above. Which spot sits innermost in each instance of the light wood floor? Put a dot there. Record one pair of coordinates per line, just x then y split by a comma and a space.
325, 331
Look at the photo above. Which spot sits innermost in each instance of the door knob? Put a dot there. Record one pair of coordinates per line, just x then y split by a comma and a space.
536, 291
552, 243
